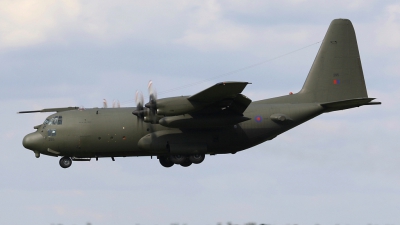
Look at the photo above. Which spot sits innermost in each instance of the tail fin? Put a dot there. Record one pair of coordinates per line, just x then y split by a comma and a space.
336, 73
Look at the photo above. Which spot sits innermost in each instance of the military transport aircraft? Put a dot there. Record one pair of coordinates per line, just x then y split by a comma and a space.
217, 120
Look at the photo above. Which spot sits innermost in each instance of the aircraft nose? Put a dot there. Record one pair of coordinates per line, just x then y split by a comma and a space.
32, 141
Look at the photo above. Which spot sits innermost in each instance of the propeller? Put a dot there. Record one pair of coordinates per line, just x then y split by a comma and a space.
148, 114
152, 104
139, 112
104, 103
116, 104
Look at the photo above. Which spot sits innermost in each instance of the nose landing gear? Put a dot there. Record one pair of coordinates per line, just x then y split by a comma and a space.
65, 162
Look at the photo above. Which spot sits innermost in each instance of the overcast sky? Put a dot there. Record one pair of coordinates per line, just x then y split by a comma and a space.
339, 168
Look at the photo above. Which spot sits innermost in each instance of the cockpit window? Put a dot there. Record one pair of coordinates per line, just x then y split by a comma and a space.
57, 120
53, 121
51, 133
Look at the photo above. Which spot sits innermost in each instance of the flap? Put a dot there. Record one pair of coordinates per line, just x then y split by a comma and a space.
219, 91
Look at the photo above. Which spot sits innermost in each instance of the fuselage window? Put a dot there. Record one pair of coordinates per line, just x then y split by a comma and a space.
46, 122
51, 133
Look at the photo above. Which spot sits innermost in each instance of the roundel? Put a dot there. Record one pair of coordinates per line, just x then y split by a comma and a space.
258, 119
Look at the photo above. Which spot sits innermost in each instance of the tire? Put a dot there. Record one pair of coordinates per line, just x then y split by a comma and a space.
197, 158
165, 162
65, 162
177, 159
186, 163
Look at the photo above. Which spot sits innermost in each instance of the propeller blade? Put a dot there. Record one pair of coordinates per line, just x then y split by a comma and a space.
152, 104
139, 101
104, 103
139, 112
116, 104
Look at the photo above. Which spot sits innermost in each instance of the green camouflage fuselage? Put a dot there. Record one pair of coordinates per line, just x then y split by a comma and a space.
116, 132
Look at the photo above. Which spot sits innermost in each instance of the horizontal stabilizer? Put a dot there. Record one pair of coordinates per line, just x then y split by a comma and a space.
350, 103
51, 110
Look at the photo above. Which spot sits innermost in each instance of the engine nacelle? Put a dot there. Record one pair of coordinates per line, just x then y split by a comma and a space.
176, 106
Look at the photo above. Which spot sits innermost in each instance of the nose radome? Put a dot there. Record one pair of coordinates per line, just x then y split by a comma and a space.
32, 141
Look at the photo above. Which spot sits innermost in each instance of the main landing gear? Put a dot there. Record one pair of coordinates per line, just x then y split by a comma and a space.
183, 160
65, 162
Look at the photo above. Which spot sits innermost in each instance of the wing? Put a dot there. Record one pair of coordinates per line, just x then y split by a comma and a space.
51, 110
217, 106
222, 98
219, 92
227, 106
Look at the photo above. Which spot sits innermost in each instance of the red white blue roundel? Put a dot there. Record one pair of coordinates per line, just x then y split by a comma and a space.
258, 119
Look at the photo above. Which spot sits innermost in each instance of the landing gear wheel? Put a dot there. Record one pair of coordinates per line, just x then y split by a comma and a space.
65, 162
178, 159
186, 163
197, 158
165, 162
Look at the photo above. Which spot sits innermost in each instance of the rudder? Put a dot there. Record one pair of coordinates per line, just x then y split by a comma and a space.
336, 73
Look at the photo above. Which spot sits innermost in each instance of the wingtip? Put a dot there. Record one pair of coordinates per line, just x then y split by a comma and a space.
374, 103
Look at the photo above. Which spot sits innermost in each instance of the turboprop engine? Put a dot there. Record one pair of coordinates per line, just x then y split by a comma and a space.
177, 106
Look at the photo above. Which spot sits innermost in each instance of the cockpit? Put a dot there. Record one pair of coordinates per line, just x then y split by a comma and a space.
57, 120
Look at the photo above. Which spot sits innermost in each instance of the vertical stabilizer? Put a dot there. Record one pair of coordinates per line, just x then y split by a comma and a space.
336, 73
